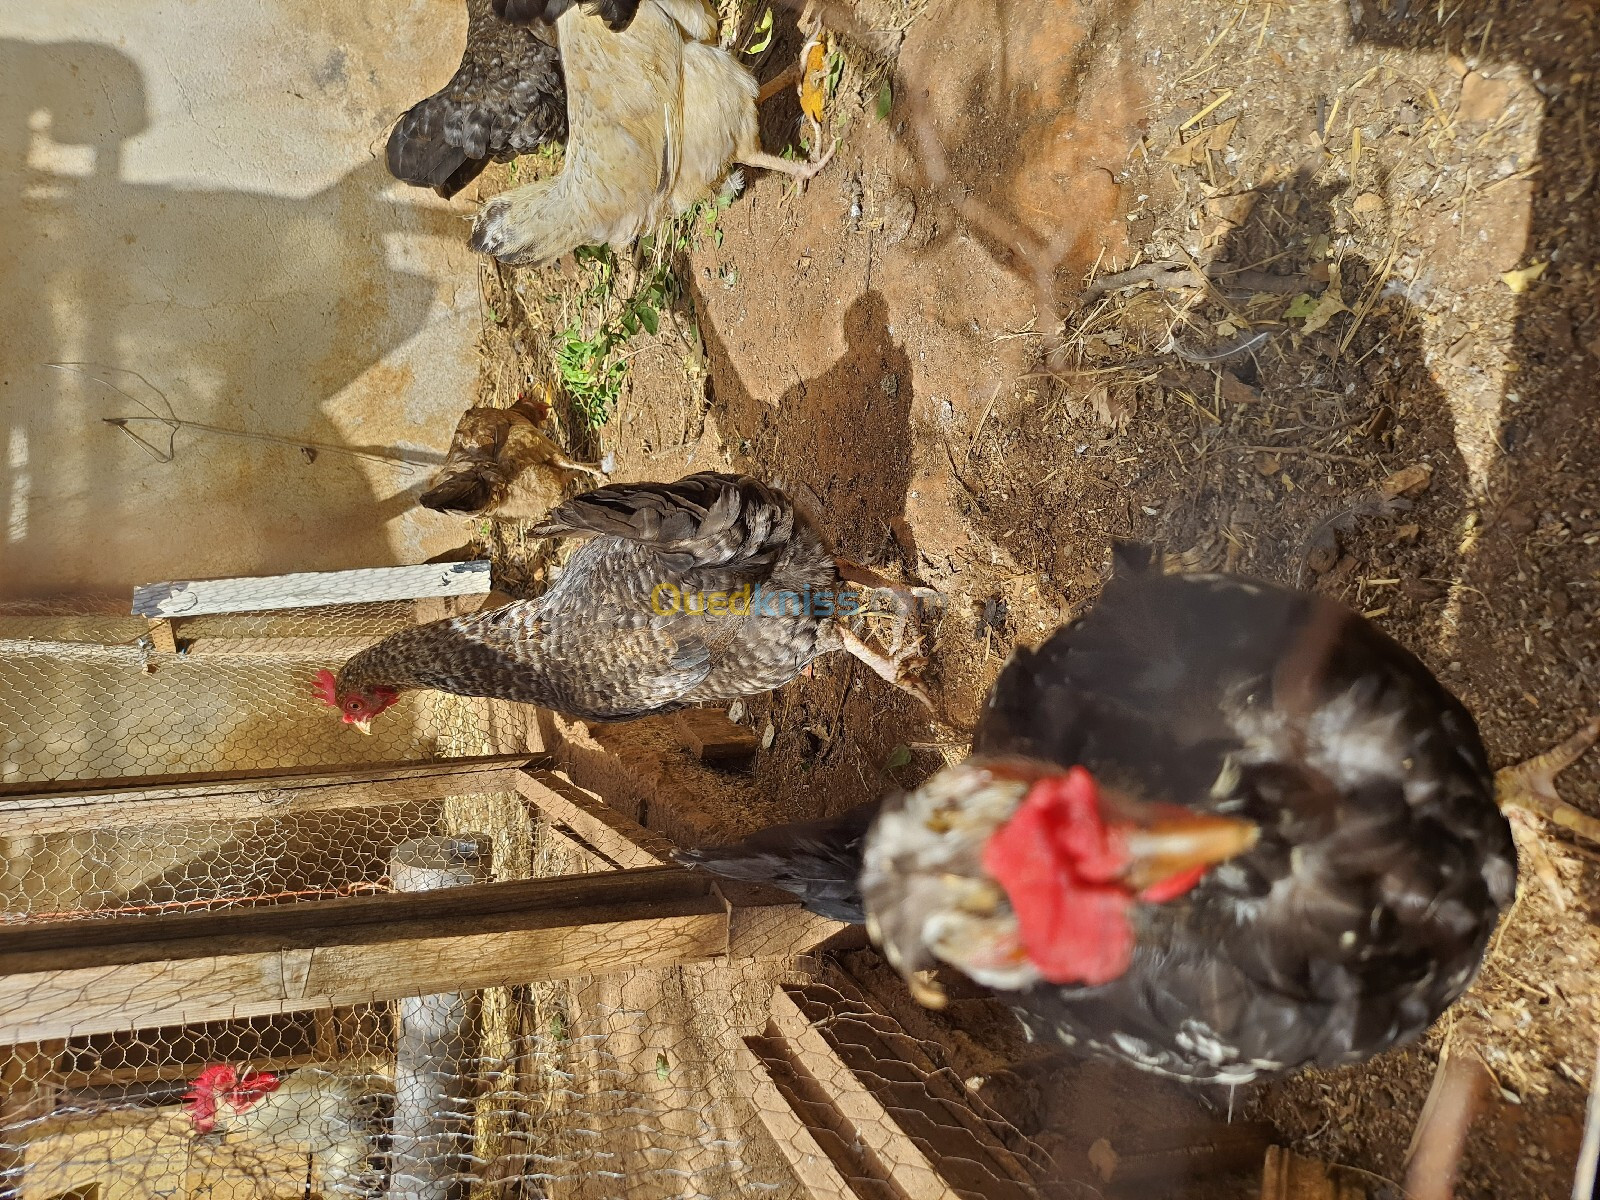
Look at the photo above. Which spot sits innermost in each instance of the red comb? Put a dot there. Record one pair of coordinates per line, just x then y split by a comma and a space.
1059, 868
326, 688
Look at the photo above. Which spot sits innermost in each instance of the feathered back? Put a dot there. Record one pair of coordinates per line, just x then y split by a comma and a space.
506, 98
710, 529
623, 144
1382, 863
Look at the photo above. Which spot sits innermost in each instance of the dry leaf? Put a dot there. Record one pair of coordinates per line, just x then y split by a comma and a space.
1193, 152
1328, 306
1367, 202
1519, 279
1231, 210
1482, 98
814, 80
1113, 405
1236, 391
1407, 481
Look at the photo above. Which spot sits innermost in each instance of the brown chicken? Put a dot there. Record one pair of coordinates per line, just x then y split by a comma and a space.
656, 116
501, 466
683, 593
506, 98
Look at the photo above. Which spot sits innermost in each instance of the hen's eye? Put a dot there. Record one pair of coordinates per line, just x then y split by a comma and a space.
352, 705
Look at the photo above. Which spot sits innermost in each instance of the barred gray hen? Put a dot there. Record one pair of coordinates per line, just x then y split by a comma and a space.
1215, 828
506, 98
685, 593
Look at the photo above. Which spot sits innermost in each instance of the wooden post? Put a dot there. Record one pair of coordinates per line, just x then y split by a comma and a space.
432, 1128
163, 638
75, 978
902, 1160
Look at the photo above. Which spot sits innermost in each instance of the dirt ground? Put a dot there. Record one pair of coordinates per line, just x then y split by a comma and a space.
1359, 360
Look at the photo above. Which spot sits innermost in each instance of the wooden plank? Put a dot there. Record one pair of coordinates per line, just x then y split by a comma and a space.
90, 804
811, 1165
715, 740
221, 782
777, 930
74, 978
934, 1095
309, 589
1287, 1176
162, 636
904, 1162
619, 838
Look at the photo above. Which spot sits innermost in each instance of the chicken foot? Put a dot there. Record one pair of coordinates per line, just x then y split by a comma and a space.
800, 172
1528, 790
1531, 786
898, 667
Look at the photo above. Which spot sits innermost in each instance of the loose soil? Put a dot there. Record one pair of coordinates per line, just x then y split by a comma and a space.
922, 348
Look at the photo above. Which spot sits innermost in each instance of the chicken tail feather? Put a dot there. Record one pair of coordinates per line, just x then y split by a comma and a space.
465, 492
818, 861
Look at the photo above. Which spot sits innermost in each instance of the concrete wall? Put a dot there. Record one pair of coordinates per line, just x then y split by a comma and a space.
195, 191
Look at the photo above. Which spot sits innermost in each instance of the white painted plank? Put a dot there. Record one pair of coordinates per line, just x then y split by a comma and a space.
309, 589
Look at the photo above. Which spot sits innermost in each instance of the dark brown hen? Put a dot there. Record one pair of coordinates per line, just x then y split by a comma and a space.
1216, 828
684, 593
506, 98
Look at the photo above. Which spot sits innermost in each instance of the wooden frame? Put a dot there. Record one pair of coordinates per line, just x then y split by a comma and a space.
309, 589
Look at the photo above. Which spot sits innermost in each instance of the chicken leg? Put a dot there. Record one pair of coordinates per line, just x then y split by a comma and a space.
900, 664
1531, 786
898, 667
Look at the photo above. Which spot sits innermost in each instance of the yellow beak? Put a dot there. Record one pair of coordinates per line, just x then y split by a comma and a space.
364, 724
1184, 841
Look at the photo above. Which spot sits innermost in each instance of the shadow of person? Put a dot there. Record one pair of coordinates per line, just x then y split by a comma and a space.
838, 441
248, 311
1526, 596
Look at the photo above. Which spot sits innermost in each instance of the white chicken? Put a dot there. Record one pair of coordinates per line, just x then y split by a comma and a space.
656, 116
326, 1111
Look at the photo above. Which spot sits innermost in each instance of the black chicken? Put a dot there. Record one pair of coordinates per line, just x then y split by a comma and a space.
692, 592
617, 14
1215, 828
506, 98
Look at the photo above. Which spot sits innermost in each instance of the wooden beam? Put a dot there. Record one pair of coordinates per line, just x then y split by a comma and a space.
330, 648
74, 978
100, 803
926, 1095
617, 837
902, 1160
811, 1165
309, 589
1287, 1176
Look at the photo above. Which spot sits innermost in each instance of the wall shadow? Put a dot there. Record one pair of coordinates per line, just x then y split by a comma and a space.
247, 310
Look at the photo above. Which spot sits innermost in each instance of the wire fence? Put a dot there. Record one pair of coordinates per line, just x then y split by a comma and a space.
147, 784
88, 695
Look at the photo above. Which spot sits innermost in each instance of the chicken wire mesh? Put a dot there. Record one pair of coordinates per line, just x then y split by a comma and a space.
670, 1082
146, 868
87, 695
645, 1085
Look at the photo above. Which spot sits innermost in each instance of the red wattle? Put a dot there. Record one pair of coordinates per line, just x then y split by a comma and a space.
1173, 886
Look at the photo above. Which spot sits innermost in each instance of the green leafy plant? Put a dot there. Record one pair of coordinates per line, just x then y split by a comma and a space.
595, 367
